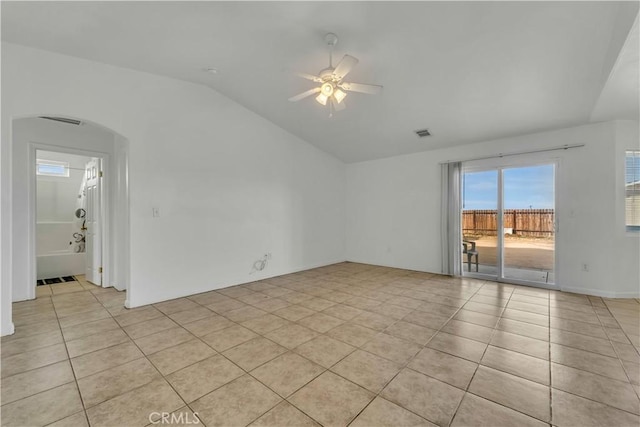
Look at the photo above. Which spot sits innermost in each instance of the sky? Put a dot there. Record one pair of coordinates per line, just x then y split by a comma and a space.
524, 188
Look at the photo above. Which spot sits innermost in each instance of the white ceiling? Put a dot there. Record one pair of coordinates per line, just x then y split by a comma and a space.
468, 71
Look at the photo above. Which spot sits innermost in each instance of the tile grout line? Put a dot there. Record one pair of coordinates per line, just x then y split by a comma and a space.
550, 367
286, 399
495, 327
145, 356
220, 353
356, 348
405, 366
455, 412
154, 366
73, 372
617, 352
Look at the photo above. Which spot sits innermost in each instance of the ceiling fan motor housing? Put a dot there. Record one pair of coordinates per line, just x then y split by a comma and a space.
326, 74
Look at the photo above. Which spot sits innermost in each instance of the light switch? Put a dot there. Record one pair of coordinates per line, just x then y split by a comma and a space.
156, 212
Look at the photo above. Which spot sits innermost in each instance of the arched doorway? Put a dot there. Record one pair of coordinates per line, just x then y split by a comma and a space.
76, 136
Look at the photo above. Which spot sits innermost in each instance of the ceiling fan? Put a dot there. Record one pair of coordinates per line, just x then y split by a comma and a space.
333, 89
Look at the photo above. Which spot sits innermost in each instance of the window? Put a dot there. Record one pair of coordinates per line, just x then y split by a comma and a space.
632, 190
52, 168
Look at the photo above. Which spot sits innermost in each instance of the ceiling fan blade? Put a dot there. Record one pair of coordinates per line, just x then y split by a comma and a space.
337, 106
309, 77
344, 66
361, 87
304, 94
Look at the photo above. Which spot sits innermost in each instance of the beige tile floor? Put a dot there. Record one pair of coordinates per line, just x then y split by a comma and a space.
347, 344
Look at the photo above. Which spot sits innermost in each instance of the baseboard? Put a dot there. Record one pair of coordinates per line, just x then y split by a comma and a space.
600, 292
11, 331
308, 267
419, 270
227, 284
575, 290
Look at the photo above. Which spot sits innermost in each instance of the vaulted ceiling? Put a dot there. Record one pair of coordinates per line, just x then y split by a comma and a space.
468, 71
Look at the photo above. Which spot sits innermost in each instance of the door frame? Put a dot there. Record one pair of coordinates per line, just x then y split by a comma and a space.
95, 175
106, 200
499, 164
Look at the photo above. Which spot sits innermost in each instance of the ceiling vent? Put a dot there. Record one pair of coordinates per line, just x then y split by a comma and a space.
63, 120
422, 133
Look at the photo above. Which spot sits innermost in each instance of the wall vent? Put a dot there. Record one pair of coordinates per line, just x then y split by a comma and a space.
63, 120
422, 133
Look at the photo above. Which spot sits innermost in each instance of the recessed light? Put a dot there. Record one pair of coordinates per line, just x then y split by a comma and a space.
211, 70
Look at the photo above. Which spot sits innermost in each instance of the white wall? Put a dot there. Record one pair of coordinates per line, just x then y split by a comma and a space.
230, 185
393, 207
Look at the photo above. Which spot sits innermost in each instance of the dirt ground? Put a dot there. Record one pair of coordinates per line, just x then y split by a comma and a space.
520, 252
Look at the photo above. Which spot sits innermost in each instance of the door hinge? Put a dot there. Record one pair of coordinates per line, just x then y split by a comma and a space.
100, 270
100, 174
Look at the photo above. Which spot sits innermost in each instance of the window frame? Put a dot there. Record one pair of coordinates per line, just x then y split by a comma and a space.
635, 154
52, 163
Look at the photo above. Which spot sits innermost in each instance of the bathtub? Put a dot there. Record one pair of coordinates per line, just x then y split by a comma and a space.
54, 253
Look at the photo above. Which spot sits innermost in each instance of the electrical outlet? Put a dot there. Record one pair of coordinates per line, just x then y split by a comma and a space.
155, 212
585, 266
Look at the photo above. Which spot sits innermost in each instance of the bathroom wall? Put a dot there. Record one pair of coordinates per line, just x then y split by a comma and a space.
56, 199
57, 196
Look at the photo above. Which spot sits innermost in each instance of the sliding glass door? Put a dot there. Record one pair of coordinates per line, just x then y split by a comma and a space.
508, 223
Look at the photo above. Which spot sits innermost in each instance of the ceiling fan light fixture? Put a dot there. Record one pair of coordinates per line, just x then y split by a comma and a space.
322, 98
339, 95
331, 89
327, 89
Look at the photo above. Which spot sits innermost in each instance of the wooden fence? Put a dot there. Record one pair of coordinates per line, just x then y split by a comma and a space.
521, 222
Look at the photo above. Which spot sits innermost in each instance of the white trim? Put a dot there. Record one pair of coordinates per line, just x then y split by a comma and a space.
230, 283
557, 271
109, 196
107, 199
600, 292
419, 270
500, 224
120, 257
32, 263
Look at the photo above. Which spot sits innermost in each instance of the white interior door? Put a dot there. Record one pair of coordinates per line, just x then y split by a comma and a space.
94, 230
